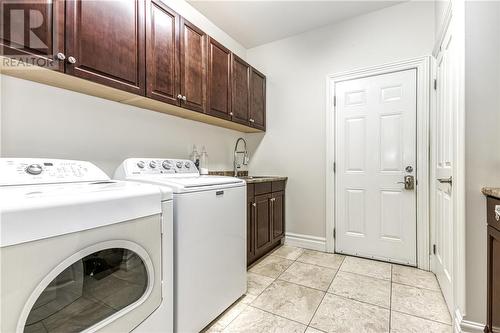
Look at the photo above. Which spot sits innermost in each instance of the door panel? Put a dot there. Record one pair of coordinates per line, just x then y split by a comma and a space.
193, 66
33, 31
106, 38
257, 116
219, 80
240, 72
278, 214
263, 222
446, 109
375, 142
162, 49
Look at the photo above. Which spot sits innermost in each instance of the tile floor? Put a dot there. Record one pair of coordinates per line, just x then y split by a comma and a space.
298, 290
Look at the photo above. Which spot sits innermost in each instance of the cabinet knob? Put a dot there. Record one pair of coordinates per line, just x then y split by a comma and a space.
179, 96
252, 121
254, 204
61, 56
230, 113
72, 60
184, 98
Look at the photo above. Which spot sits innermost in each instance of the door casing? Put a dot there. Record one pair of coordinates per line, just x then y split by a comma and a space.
422, 65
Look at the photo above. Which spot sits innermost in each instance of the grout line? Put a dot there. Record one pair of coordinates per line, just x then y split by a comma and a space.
277, 315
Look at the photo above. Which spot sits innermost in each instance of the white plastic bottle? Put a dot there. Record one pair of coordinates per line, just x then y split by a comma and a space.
203, 161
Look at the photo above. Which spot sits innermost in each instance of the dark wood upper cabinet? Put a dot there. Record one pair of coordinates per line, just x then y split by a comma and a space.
33, 32
107, 42
257, 117
240, 72
219, 80
193, 58
162, 53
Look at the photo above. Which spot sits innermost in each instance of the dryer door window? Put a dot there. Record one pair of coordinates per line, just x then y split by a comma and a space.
90, 290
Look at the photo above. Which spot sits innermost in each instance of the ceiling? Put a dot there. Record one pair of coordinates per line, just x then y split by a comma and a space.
254, 23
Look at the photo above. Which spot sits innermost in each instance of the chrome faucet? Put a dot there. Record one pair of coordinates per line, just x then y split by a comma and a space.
236, 152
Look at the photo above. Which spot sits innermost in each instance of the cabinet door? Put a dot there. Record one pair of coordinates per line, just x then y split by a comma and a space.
106, 40
162, 53
257, 117
262, 223
251, 219
193, 58
493, 280
33, 32
240, 72
278, 214
219, 80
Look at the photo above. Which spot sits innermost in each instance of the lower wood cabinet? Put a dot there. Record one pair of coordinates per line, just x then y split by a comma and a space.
493, 295
265, 218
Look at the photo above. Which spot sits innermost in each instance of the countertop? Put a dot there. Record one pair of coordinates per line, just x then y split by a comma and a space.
262, 179
491, 192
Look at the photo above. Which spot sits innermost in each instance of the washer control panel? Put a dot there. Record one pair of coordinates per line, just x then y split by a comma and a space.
152, 166
23, 171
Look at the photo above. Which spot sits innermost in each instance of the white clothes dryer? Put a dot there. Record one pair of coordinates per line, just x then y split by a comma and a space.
78, 251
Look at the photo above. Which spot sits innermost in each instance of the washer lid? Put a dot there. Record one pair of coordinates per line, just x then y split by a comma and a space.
191, 184
32, 212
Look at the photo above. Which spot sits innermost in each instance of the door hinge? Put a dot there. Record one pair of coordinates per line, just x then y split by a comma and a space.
334, 233
334, 100
334, 167
435, 84
434, 249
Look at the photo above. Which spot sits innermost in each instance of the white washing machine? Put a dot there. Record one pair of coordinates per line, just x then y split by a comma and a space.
78, 251
209, 237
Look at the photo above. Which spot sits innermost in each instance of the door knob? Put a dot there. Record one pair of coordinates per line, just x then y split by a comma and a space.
72, 60
409, 182
61, 56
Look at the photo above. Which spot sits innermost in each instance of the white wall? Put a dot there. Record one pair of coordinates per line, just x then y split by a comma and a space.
482, 136
296, 70
43, 121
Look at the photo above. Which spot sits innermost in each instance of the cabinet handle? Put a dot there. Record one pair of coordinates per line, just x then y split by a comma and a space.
254, 204
61, 56
273, 199
252, 121
72, 60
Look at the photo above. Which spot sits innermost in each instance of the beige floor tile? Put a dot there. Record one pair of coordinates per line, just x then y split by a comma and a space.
376, 269
253, 320
309, 275
271, 266
312, 330
288, 252
230, 314
423, 303
324, 259
289, 300
214, 328
257, 283
362, 288
403, 323
414, 277
338, 314
247, 299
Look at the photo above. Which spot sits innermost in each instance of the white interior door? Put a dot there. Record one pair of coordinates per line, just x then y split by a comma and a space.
443, 147
375, 149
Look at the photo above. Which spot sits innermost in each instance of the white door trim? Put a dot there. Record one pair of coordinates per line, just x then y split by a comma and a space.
422, 65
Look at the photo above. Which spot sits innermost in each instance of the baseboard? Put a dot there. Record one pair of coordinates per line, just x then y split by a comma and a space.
306, 241
465, 326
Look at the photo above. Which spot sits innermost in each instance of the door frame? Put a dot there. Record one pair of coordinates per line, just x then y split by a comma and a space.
423, 67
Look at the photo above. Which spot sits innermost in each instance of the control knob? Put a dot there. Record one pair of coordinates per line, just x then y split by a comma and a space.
141, 164
152, 164
187, 165
179, 164
166, 165
34, 169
